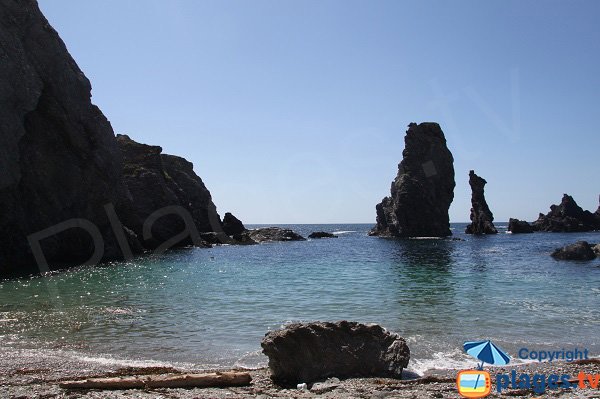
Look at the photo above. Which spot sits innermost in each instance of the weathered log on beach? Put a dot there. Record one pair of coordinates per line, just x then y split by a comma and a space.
207, 380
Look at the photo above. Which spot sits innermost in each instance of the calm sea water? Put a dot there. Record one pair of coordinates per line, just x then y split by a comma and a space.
211, 307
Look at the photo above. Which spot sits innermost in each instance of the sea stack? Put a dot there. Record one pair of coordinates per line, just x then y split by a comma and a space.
566, 217
423, 190
481, 217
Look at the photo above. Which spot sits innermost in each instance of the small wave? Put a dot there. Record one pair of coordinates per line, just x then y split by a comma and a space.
110, 361
252, 361
426, 238
344, 232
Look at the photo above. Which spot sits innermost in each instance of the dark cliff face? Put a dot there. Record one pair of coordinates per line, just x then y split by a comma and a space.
423, 190
481, 217
566, 217
58, 156
60, 164
156, 181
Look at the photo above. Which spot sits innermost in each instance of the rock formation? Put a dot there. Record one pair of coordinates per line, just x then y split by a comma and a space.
423, 190
156, 181
482, 219
597, 217
232, 225
321, 234
58, 157
517, 226
267, 234
66, 195
581, 250
308, 352
566, 217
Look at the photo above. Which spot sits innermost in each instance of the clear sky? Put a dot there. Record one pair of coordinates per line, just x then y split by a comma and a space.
295, 111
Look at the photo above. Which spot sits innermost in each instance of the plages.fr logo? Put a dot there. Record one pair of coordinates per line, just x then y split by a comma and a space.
478, 383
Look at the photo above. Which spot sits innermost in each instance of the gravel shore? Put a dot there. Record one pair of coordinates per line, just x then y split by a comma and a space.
23, 376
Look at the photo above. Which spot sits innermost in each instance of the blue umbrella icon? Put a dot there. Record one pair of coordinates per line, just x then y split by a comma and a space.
487, 352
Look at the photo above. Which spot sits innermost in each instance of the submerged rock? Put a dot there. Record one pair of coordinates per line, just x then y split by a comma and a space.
266, 234
321, 234
517, 226
481, 217
232, 225
423, 190
566, 217
58, 157
581, 250
308, 352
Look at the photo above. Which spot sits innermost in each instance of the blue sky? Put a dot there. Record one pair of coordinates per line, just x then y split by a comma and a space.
295, 112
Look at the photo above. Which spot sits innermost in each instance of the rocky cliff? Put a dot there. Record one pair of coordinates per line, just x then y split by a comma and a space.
156, 182
567, 217
58, 156
482, 219
423, 190
69, 192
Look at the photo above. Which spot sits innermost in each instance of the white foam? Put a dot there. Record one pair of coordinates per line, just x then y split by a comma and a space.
344, 232
111, 361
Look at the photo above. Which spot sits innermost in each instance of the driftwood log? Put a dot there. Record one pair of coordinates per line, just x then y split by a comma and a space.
209, 380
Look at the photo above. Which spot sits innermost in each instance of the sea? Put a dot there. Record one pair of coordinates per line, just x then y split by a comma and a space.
209, 308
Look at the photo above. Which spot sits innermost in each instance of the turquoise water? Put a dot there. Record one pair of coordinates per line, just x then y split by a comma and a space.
211, 307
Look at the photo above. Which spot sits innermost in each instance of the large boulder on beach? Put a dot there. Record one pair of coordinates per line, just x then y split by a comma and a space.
309, 352
482, 219
266, 234
581, 250
517, 226
566, 217
423, 189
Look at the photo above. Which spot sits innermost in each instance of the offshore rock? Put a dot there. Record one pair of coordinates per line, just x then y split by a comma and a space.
58, 157
581, 250
597, 217
158, 182
423, 190
517, 226
267, 234
481, 217
566, 217
321, 234
232, 225
308, 352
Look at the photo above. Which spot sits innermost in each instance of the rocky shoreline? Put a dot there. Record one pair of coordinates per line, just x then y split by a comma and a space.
38, 377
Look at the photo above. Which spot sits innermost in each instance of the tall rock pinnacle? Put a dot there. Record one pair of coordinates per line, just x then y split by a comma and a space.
481, 217
423, 190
